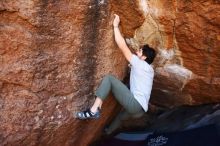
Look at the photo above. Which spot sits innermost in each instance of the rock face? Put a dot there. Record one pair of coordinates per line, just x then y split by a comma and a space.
53, 55
186, 35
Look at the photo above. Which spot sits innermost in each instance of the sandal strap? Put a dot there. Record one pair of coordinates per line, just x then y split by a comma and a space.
87, 113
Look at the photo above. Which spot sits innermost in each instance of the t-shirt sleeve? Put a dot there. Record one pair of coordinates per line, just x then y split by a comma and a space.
134, 60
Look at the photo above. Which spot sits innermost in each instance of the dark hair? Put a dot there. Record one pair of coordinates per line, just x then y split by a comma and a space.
149, 53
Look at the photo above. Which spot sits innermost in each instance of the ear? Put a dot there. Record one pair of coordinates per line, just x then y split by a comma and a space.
143, 57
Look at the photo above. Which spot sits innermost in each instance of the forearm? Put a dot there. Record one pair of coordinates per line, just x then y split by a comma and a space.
119, 39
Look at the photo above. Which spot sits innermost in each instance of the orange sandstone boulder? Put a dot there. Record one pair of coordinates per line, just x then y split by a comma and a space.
53, 55
186, 35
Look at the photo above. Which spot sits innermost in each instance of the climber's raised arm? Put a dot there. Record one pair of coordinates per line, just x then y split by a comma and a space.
120, 40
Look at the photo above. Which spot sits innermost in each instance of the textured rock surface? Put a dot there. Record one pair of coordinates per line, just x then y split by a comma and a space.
186, 35
53, 54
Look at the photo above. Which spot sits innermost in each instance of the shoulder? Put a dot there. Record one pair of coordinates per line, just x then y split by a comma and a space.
138, 63
134, 60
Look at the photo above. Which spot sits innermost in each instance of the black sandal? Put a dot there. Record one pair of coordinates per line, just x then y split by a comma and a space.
87, 114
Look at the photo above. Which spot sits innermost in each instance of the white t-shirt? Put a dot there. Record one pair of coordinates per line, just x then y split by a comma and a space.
141, 80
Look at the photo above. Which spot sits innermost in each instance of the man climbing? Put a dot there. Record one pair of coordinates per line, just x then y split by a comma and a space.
134, 101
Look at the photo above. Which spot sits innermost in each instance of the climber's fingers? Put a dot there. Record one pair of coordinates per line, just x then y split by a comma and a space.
116, 20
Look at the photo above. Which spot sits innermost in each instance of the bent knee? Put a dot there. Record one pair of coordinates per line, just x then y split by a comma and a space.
109, 76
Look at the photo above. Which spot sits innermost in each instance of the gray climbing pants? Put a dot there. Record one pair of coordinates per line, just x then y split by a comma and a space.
131, 107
